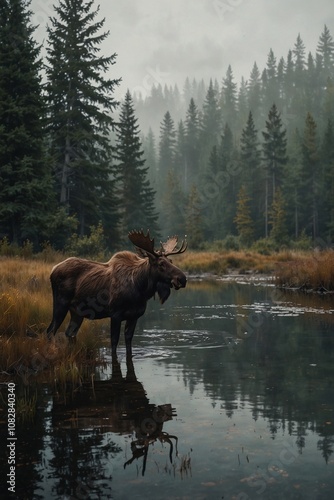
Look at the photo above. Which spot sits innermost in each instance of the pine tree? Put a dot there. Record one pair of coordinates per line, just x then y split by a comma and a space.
229, 99
167, 145
150, 156
136, 197
327, 159
193, 224
172, 215
25, 177
181, 165
289, 85
243, 109
243, 219
281, 80
278, 231
210, 126
254, 93
325, 49
80, 106
311, 176
191, 143
298, 102
270, 84
274, 155
292, 184
251, 169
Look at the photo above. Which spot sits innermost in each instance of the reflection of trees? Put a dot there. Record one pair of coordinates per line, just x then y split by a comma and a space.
283, 369
29, 445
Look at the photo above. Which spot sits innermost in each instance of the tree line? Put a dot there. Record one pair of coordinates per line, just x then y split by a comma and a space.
224, 162
65, 158
254, 161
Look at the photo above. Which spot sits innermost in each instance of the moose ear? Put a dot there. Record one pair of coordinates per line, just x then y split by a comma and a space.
163, 291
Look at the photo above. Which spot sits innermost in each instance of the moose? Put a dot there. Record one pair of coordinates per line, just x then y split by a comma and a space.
118, 289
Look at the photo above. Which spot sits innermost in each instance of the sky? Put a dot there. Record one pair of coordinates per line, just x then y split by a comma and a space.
165, 41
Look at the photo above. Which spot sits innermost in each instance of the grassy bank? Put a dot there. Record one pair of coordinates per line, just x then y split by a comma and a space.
312, 271
26, 305
225, 262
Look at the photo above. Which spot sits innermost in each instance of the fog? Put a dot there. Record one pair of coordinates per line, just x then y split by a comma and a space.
167, 40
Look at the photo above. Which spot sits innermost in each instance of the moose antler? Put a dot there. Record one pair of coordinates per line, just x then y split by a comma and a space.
146, 243
143, 241
168, 248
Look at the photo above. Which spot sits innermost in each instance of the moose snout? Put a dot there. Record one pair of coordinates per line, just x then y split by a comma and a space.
179, 281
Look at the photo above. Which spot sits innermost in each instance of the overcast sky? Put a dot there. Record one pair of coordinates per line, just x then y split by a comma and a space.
164, 41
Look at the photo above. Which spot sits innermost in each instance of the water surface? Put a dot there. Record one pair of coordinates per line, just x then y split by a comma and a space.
229, 395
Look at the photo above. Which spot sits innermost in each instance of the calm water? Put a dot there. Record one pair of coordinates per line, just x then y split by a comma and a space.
230, 395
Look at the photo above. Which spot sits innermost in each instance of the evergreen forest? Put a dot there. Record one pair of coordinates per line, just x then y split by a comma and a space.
229, 164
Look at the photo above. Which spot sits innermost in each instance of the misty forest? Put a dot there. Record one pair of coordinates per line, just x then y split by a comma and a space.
227, 163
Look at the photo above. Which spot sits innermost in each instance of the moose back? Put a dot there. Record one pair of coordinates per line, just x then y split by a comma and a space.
119, 288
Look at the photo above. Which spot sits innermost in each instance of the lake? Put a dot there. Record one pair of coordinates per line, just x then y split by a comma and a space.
229, 395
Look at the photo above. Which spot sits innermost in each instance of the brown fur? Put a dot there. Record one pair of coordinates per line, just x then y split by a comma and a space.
118, 289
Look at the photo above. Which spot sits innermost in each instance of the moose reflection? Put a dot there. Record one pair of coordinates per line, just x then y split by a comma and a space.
119, 405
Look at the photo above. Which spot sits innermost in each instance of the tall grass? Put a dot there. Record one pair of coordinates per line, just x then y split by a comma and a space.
308, 271
25, 312
223, 262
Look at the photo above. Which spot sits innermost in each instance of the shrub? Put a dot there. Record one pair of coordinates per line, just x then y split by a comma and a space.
92, 246
264, 246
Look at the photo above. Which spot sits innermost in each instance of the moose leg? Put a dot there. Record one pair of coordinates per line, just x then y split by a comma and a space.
73, 326
115, 330
129, 330
59, 312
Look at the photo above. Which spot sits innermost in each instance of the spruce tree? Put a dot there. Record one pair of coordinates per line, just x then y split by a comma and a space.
180, 160
325, 49
270, 83
274, 156
193, 222
243, 219
292, 185
210, 126
311, 176
327, 158
298, 102
25, 180
150, 155
167, 145
278, 231
191, 143
80, 110
229, 99
251, 169
243, 109
135, 195
172, 215
254, 93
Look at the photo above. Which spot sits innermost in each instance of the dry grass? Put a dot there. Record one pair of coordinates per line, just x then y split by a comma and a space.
308, 271
230, 261
25, 312
26, 306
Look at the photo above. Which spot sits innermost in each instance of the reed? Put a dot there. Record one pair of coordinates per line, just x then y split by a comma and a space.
26, 406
